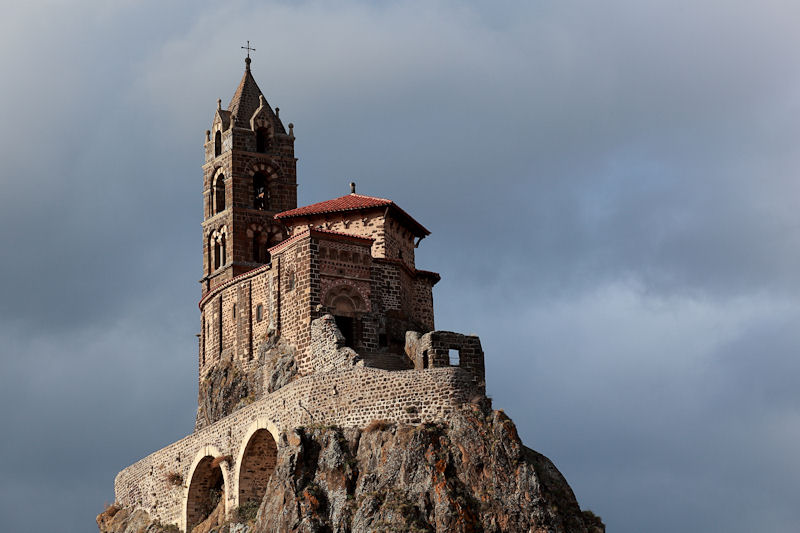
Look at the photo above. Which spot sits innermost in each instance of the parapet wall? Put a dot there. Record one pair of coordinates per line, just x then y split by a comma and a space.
348, 398
443, 349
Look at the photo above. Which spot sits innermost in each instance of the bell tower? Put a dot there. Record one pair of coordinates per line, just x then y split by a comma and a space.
249, 175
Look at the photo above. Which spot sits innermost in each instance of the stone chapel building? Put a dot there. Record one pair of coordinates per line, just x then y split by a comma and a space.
336, 281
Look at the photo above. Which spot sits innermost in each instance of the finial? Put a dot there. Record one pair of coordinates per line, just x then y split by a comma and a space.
208, 135
247, 59
278, 112
352, 187
219, 103
291, 130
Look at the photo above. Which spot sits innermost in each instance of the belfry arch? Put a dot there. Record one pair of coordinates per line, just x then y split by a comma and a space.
207, 487
258, 455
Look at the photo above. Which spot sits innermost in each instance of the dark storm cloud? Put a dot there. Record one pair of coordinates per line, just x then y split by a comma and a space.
611, 189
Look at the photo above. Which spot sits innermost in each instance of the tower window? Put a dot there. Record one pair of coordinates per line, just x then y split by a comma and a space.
262, 140
260, 192
217, 143
259, 312
219, 250
219, 194
454, 357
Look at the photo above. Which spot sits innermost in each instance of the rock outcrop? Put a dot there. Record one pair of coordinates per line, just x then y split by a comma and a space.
234, 384
468, 474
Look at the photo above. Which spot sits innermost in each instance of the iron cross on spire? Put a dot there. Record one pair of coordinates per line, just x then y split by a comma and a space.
248, 49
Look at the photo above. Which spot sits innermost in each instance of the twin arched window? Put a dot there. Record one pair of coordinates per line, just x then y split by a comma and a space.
217, 245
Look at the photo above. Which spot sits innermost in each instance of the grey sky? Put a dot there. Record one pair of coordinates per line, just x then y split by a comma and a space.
612, 189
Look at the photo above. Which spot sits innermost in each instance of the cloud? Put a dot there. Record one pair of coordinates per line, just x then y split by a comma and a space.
611, 189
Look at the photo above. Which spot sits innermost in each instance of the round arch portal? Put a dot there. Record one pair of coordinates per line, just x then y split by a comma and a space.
258, 456
206, 489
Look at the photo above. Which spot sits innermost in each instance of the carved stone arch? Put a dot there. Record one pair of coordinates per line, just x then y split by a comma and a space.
200, 480
253, 229
345, 300
255, 460
265, 165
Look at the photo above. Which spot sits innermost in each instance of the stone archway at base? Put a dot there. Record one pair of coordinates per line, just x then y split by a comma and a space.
207, 488
257, 459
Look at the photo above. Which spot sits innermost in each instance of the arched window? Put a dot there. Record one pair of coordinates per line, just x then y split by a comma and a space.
260, 191
217, 143
262, 140
219, 249
219, 194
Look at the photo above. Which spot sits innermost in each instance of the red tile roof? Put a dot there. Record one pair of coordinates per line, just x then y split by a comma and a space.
349, 202
353, 202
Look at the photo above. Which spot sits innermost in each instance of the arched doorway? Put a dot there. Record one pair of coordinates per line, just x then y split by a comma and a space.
346, 305
206, 491
256, 466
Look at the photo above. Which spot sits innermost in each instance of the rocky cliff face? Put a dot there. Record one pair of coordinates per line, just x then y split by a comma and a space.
233, 384
469, 474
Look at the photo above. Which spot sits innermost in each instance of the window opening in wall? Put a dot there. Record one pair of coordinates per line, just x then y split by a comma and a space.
345, 325
262, 140
259, 312
217, 254
217, 143
233, 310
425, 363
260, 192
454, 356
219, 195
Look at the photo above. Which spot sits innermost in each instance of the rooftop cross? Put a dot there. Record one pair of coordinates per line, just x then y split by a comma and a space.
248, 48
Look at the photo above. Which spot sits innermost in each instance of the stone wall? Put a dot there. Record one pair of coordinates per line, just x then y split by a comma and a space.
443, 349
307, 272
350, 398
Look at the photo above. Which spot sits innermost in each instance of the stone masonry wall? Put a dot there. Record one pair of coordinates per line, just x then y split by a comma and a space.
351, 398
327, 345
432, 350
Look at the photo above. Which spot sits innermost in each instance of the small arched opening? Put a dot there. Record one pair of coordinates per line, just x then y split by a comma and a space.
262, 140
346, 306
260, 192
219, 194
217, 143
256, 467
206, 492
219, 249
